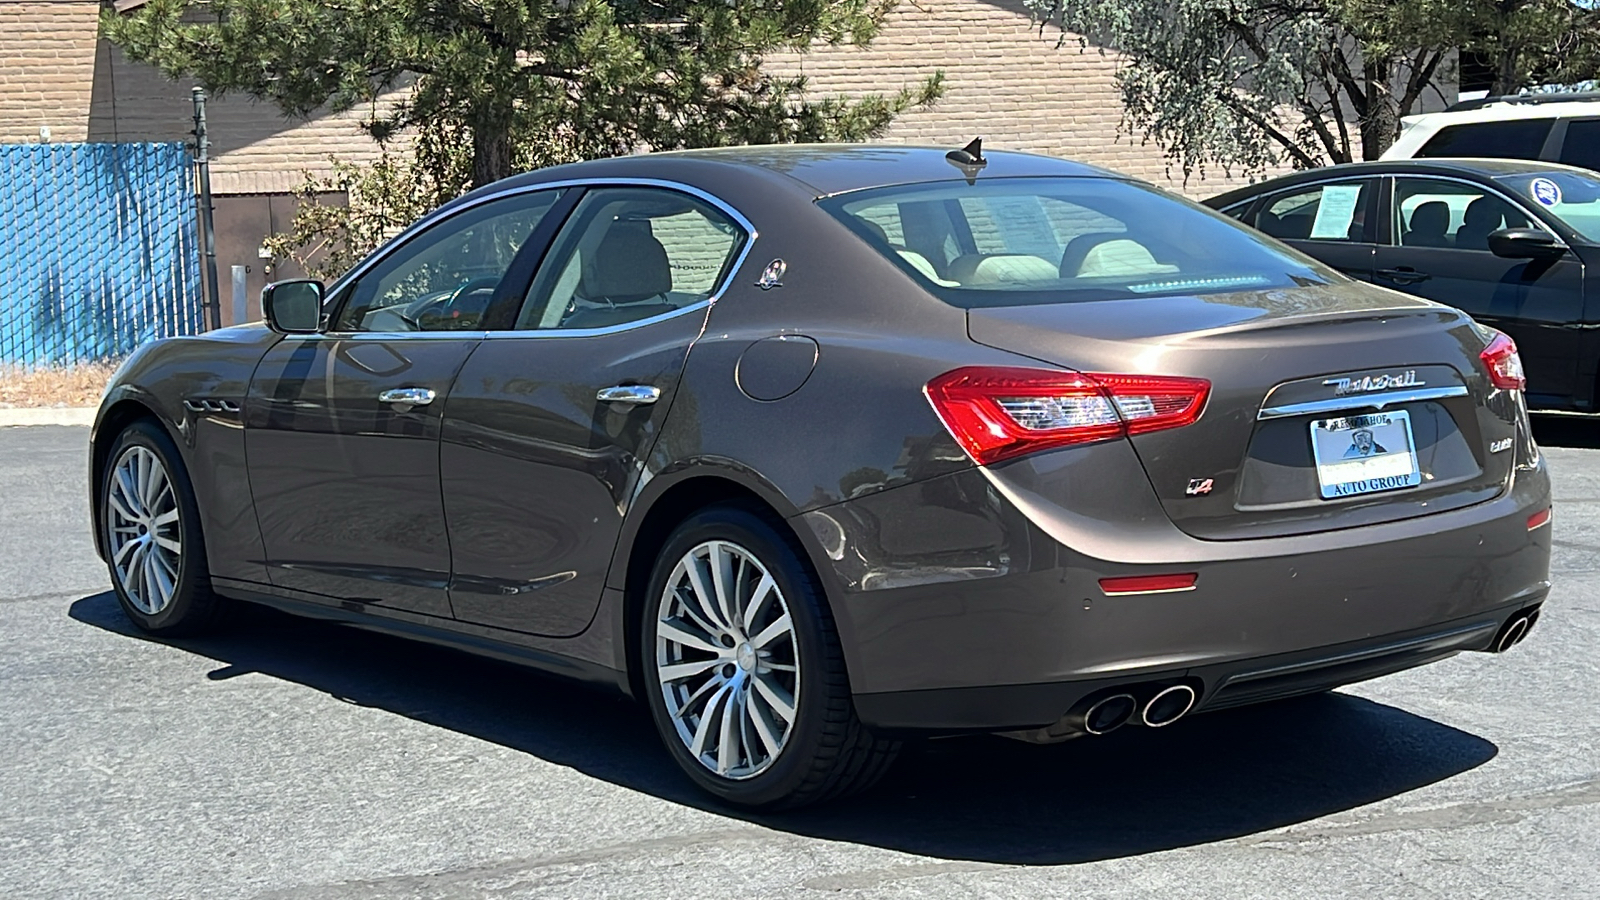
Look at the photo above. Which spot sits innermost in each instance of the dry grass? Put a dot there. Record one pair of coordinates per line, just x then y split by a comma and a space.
53, 386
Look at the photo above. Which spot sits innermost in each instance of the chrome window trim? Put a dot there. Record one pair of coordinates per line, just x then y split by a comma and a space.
441, 214
1361, 401
1394, 219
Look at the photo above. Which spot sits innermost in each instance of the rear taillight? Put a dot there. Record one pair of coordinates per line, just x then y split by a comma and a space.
1503, 363
997, 413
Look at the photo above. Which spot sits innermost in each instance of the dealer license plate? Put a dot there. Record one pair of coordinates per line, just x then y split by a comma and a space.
1365, 454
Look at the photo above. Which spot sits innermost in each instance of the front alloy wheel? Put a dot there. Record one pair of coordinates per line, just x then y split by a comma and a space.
142, 524
726, 659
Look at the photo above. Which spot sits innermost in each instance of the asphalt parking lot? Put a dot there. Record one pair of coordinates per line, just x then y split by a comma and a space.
294, 759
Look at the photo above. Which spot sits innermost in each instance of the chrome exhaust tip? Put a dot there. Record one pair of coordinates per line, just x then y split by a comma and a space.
1514, 632
1110, 713
1169, 705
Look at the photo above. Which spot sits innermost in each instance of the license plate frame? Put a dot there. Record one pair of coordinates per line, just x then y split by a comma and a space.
1349, 466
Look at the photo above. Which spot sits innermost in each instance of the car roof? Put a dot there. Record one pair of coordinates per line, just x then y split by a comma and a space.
821, 169
1483, 168
1500, 109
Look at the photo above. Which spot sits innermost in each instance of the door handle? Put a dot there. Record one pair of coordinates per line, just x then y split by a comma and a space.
408, 396
1403, 275
635, 394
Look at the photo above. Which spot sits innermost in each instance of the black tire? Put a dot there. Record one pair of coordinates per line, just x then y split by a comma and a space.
827, 752
193, 608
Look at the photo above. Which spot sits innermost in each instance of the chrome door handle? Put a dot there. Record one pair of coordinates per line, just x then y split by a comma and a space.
636, 394
409, 396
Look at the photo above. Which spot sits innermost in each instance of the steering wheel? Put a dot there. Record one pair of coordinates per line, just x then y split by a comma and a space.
426, 314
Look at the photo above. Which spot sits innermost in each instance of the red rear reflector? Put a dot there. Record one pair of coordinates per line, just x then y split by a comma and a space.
1148, 584
997, 413
1503, 363
1539, 519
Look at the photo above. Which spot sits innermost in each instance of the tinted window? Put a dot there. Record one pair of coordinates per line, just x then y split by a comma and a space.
1514, 139
628, 254
1571, 196
1582, 145
1450, 214
1003, 242
444, 278
1326, 212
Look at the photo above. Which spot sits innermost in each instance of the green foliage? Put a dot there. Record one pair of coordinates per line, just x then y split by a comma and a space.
490, 87
1249, 84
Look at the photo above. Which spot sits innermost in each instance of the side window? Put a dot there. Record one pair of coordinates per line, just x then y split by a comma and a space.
1327, 212
1448, 214
1582, 144
630, 253
1513, 139
444, 278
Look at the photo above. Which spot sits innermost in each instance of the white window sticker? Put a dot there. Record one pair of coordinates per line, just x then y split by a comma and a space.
1336, 212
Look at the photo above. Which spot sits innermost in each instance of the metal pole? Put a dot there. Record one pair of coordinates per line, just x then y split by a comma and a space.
202, 159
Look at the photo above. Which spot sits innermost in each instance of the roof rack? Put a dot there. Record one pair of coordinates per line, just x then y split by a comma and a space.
1530, 99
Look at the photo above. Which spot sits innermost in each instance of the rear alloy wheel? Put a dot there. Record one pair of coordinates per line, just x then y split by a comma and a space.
746, 680
153, 546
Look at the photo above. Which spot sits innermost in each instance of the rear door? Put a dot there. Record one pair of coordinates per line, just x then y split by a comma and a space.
1329, 221
547, 431
1438, 248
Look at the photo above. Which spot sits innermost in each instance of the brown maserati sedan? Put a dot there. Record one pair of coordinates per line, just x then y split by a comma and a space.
813, 448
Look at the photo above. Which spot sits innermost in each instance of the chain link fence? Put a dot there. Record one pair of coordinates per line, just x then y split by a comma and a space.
97, 250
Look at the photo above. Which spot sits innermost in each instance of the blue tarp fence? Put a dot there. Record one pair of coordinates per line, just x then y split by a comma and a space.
98, 252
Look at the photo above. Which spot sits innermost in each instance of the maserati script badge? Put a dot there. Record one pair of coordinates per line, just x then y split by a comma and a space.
1198, 486
1365, 383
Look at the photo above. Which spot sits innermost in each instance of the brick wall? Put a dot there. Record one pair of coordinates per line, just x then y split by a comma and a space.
1005, 80
47, 52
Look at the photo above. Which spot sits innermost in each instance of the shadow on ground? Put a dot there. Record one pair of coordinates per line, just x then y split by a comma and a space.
1564, 431
1205, 779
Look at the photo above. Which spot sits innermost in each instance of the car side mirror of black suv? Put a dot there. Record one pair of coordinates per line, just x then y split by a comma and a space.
1525, 243
293, 307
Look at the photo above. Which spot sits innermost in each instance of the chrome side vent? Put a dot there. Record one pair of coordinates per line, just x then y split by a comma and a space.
203, 405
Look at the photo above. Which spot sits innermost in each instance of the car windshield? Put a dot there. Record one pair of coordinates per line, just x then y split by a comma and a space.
1572, 197
1016, 241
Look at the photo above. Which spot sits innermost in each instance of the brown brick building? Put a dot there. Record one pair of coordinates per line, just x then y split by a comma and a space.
1006, 80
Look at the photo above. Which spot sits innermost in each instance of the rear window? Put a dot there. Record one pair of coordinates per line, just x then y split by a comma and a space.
1582, 146
1008, 242
1514, 139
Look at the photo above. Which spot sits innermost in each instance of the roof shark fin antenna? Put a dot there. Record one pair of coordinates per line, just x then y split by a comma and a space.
969, 159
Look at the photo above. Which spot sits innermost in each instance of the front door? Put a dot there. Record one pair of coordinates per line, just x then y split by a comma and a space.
342, 428
549, 426
1440, 250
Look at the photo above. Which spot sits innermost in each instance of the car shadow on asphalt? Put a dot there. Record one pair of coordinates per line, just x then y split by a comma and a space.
1210, 778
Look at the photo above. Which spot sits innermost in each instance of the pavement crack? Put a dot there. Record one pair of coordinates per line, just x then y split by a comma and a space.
1505, 811
55, 595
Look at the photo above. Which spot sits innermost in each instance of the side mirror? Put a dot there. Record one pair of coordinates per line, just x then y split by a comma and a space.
1525, 243
293, 307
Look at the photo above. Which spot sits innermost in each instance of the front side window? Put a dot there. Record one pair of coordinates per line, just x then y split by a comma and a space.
444, 278
1326, 212
1450, 215
1011, 241
1510, 139
1573, 197
631, 253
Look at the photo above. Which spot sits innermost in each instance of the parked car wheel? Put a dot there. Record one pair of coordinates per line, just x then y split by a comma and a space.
154, 548
745, 677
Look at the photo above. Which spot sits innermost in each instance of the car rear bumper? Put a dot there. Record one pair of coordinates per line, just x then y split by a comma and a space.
958, 610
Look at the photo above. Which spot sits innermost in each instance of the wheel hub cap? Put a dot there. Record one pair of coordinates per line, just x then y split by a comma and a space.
727, 660
142, 529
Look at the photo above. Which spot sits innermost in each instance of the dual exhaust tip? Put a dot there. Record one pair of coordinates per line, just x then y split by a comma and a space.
1165, 706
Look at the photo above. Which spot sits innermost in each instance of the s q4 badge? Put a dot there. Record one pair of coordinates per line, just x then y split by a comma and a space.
1197, 487
772, 275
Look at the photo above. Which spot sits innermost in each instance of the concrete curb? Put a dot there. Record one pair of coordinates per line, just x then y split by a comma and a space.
68, 415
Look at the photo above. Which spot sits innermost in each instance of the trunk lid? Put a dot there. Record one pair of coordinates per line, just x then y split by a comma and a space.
1278, 361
